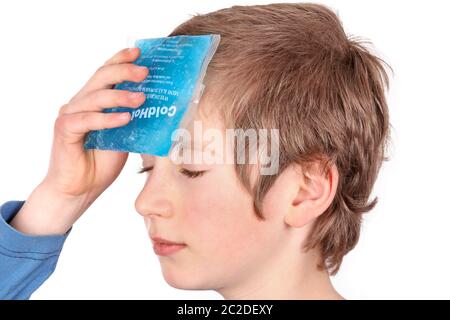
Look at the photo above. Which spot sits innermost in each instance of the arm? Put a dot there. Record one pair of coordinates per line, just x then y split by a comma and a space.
26, 261
32, 232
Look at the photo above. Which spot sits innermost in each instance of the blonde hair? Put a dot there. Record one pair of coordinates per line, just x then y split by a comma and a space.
291, 66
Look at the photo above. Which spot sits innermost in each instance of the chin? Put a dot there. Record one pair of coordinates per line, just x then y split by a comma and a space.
183, 279
186, 278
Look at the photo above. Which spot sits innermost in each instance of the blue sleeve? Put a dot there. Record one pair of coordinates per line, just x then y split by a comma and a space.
25, 261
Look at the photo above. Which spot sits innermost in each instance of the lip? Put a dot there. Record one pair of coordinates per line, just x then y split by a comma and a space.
163, 247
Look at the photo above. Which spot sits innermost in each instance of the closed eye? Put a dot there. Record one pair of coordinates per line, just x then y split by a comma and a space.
186, 172
192, 174
145, 169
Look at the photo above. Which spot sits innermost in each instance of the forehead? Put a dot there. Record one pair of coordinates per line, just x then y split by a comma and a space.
206, 117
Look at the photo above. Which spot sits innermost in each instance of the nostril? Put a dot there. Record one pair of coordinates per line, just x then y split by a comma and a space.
148, 223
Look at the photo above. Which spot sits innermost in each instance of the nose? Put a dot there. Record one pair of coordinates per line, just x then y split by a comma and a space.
156, 198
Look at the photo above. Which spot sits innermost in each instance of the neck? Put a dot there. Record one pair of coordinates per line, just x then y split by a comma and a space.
283, 278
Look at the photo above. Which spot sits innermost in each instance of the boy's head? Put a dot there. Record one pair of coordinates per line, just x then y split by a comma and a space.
289, 67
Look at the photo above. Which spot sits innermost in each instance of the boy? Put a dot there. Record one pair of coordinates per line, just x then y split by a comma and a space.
219, 226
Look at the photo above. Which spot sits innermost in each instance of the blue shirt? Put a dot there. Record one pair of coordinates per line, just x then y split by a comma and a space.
25, 261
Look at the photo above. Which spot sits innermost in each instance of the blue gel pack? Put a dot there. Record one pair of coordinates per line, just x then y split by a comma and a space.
173, 89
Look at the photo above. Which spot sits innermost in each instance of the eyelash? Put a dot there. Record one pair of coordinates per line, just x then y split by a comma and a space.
187, 173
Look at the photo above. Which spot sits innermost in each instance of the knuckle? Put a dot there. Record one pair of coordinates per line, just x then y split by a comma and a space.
63, 109
73, 98
119, 54
60, 123
110, 94
124, 52
129, 71
127, 96
117, 96
95, 96
83, 117
101, 69
106, 119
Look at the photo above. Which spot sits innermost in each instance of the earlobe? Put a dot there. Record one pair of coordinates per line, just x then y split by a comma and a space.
314, 196
299, 218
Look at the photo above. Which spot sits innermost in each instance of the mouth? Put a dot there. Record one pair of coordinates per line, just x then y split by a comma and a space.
163, 247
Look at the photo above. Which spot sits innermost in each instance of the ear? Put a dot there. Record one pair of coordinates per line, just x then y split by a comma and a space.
315, 193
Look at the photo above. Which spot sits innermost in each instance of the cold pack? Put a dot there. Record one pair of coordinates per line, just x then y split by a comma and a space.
173, 88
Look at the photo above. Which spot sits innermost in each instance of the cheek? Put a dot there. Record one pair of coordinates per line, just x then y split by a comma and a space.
222, 226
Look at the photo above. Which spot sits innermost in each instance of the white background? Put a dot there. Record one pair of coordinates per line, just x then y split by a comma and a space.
49, 49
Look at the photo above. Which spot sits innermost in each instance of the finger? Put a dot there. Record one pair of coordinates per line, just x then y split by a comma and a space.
74, 126
108, 75
105, 98
124, 56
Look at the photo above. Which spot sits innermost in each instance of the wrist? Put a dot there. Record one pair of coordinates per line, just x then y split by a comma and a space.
45, 212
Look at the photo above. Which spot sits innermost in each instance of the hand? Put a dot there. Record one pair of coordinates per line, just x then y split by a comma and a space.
75, 176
